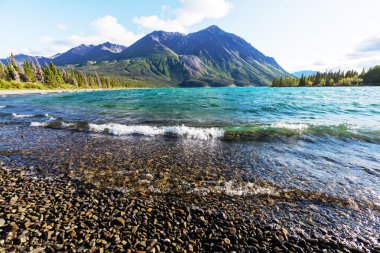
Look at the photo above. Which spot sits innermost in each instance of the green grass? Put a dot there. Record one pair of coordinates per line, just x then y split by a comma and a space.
13, 85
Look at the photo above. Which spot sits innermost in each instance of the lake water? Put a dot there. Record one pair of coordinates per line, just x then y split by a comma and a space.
313, 140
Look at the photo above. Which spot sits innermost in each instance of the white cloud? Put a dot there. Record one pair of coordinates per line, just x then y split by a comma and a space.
108, 29
363, 54
190, 13
104, 29
371, 44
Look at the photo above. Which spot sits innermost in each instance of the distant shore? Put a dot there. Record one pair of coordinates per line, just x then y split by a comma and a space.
34, 91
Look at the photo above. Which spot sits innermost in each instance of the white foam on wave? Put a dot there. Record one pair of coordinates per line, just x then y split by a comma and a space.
49, 117
46, 123
15, 115
39, 124
65, 124
3, 106
22, 115
183, 131
291, 126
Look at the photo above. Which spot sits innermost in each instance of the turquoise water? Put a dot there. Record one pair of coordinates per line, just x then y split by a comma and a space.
242, 113
320, 144
314, 139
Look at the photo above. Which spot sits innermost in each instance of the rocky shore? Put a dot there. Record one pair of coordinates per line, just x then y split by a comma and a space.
63, 214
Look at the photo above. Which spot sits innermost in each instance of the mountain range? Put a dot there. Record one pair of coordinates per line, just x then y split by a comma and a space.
210, 57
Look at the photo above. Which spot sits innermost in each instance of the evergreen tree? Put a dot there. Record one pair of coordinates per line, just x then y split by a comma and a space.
28, 72
98, 81
302, 81
91, 81
81, 79
69, 77
15, 64
85, 79
328, 78
64, 75
49, 76
362, 75
38, 72
3, 71
12, 74
373, 76
57, 74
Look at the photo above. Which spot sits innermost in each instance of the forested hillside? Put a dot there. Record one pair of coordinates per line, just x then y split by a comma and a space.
331, 78
31, 74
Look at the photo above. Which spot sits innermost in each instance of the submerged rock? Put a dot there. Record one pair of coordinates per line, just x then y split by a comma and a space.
62, 214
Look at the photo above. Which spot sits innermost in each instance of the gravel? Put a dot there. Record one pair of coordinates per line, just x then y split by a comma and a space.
61, 213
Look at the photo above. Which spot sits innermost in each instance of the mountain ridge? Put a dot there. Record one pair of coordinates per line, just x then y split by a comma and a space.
209, 57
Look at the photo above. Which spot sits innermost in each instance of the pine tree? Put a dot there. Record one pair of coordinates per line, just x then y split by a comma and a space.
362, 75
73, 81
15, 64
98, 81
302, 81
12, 74
64, 75
82, 79
85, 79
3, 71
57, 74
28, 72
49, 76
38, 72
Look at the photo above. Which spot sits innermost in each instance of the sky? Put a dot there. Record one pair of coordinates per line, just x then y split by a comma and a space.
299, 34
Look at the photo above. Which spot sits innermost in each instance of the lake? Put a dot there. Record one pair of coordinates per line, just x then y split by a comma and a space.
313, 143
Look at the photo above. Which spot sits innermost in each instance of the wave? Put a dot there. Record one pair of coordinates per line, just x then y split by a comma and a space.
250, 133
292, 130
15, 115
3, 106
290, 126
22, 115
146, 130
39, 124
181, 131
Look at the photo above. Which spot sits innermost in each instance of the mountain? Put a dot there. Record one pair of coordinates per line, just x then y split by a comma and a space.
73, 56
77, 55
103, 52
210, 57
20, 58
304, 72
84, 53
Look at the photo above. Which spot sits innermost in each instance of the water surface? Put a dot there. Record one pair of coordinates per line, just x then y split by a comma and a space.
312, 139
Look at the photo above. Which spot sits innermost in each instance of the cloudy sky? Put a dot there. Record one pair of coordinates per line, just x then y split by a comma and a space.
300, 34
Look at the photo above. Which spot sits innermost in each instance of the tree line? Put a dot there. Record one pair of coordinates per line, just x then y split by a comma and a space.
331, 78
30, 71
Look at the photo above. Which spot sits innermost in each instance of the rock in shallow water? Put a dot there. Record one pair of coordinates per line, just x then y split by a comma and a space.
69, 215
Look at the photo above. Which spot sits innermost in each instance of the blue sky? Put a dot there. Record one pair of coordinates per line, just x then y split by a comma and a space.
300, 34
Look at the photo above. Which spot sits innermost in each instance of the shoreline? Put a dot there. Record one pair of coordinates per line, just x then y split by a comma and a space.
134, 222
169, 194
32, 91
